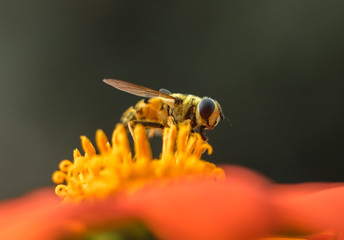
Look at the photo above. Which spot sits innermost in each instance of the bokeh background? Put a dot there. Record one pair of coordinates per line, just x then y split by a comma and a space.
276, 67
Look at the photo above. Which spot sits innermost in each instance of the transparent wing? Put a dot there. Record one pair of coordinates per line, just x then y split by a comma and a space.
137, 89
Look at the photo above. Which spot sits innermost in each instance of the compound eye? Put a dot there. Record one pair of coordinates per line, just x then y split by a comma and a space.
206, 107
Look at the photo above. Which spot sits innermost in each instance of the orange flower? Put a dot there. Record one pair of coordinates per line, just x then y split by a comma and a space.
244, 206
180, 204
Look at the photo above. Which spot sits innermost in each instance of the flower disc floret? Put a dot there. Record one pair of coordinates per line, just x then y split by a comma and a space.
114, 168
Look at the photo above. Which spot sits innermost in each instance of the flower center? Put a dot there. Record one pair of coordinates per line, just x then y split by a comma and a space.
113, 169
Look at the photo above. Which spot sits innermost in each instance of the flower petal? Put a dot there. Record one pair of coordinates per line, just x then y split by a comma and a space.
311, 206
25, 218
233, 209
244, 206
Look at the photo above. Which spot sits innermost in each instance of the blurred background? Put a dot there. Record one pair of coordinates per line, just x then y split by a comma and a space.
276, 67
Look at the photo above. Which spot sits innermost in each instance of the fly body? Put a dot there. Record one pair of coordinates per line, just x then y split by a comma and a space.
160, 108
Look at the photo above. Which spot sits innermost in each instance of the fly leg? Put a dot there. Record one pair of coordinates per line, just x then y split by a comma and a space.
202, 133
171, 121
146, 124
130, 128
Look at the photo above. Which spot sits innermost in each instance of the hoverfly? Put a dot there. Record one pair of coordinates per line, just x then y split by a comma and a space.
158, 108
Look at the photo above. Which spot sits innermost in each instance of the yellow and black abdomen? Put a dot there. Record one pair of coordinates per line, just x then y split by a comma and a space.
150, 110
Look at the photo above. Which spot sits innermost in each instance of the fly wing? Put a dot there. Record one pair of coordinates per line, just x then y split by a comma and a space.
137, 89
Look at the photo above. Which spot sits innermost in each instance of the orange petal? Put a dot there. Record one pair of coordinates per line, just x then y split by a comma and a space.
236, 208
244, 206
311, 206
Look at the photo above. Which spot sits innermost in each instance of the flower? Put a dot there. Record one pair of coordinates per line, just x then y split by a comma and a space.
114, 169
182, 204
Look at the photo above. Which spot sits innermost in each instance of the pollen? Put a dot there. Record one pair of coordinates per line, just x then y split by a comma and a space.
114, 168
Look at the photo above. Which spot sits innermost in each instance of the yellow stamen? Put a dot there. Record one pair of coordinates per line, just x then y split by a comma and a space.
93, 175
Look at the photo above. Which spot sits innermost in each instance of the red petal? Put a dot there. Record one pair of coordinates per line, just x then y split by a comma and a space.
203, 209
233, 209
40, 215
25, 218
311, 206
245, 206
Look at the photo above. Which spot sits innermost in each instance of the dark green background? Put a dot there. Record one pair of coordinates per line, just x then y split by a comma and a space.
276, 67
